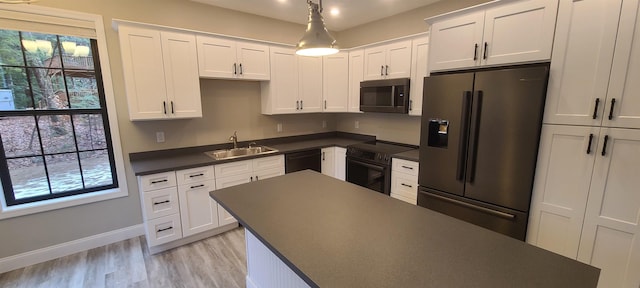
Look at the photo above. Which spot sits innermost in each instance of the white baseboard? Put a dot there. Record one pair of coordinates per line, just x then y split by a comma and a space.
68, 248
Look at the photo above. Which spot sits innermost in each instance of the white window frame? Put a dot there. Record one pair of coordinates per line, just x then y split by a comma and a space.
121, 191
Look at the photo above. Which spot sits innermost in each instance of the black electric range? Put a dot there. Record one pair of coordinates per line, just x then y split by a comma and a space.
369, 164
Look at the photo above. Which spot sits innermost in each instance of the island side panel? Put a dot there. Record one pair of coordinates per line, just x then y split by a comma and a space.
265, 269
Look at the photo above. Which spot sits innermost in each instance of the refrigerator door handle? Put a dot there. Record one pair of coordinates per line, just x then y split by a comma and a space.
476, 134
471, 206
464, 125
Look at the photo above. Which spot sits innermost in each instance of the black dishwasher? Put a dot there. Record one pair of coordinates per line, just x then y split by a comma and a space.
308, 159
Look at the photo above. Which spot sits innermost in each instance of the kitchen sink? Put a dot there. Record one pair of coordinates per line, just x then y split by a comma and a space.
239, 152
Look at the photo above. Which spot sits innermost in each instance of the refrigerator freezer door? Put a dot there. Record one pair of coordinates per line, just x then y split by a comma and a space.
506, 221
505, 131
443, 142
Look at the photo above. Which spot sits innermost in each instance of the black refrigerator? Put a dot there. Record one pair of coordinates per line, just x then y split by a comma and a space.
479, 143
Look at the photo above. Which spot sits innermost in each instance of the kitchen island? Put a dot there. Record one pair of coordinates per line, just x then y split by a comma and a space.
307, 229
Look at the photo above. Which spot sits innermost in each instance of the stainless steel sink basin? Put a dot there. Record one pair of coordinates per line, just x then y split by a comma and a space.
239, 152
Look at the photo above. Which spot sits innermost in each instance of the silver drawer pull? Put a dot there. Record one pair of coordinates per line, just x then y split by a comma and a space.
406, 185
159, 181
197, 186
165, 229
163, 202
407, 167
196, 175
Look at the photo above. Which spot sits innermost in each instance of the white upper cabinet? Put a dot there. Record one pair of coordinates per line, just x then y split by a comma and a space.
455, 42
280, 95
310, 84
161, 74
335, 82
595, 64
519, 31
391, 60
296, 83
231, 59
581, 62
622, 108
356, 75
419, 70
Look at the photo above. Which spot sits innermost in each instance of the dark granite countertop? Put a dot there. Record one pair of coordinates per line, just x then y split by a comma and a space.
411, 155
336, 234
176, 159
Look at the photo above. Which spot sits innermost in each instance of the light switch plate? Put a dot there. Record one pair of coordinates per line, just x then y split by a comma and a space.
160, 136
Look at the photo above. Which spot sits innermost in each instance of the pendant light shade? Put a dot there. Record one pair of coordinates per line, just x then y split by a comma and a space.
316, 41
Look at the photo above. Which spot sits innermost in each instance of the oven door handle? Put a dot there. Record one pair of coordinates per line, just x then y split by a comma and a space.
370, 166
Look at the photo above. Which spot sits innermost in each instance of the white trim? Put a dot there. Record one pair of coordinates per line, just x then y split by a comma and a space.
68, 248
122, 190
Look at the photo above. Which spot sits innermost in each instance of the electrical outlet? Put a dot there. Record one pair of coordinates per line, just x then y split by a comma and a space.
357, 124
279, 127
160, 136
324, 123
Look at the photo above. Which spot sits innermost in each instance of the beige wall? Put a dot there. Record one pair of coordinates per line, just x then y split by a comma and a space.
227, 106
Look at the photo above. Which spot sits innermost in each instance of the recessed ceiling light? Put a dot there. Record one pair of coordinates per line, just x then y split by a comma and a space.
335, 11
282, 1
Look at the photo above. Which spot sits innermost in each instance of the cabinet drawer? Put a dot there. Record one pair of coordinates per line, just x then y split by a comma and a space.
157, 181
233, 168
193, 175
405, 166
268, 163
164, 229
404, 184
265, 174
160, 203
413, 200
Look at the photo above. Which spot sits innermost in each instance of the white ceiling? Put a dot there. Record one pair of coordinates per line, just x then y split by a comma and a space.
352, 12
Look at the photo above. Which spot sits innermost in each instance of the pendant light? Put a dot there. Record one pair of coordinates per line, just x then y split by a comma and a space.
316, 41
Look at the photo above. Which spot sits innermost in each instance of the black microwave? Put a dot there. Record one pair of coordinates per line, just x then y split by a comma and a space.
388, 95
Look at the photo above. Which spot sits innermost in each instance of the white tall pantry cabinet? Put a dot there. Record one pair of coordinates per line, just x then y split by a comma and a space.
586, 200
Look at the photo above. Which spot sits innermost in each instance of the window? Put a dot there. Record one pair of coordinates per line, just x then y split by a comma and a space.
57, 138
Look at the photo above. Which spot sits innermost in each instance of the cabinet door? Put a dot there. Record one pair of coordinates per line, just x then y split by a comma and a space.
198, 212
280, 95
335, 82
375, 59
611, 234
328, 163
356, 75
419, 70
581, 62
519, 32
624, 87
341, 163
233, 168
253, 61
398, 61
225, 217
561, 187
216, 57
455, 43
181, 74
310, 84
143, 73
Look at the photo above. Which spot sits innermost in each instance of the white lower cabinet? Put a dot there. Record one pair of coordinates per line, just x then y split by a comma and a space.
333, 162
585, 203
240, 172
163, 230
199, 213
404, 180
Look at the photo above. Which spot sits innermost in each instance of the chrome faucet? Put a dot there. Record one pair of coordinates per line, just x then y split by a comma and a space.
234, 139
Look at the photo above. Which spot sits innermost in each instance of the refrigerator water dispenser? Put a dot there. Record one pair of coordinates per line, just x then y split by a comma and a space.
438, 133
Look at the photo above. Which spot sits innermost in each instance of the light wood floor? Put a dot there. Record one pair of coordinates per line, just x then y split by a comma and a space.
218, 261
